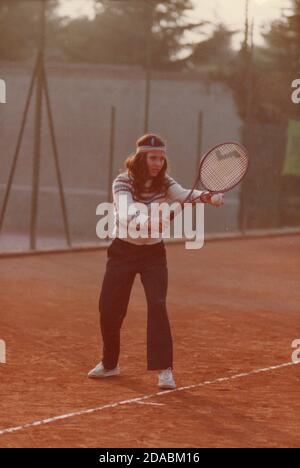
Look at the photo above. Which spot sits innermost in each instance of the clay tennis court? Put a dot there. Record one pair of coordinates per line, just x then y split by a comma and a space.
234, 309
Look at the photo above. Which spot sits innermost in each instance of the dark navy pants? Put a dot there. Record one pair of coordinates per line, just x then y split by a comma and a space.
125, 260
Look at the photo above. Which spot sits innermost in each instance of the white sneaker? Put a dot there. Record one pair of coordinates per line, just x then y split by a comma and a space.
99, 372
166, 379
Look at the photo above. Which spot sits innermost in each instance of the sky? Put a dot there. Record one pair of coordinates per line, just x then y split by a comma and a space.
230, 12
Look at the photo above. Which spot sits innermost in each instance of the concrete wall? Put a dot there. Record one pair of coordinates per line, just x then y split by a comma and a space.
81, 97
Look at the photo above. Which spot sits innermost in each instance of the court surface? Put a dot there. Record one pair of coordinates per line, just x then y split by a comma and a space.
234, 311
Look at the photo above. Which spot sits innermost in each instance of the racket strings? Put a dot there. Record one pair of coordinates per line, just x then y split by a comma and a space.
223, 167
227, 174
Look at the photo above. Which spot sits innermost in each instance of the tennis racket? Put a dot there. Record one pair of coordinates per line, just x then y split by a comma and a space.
221, 169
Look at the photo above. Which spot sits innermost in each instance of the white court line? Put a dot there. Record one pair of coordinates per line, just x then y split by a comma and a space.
141, 399
149, 403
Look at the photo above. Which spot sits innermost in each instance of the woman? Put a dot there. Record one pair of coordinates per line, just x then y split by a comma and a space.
145, 181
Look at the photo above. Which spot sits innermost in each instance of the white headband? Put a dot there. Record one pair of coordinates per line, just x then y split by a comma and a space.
151, 148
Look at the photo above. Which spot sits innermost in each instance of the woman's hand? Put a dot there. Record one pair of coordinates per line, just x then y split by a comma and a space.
214, 199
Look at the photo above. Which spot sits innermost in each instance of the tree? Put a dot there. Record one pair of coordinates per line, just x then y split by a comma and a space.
20, 27
133, 32
130, 32
282, 54
214, 53
261, 79
283, 40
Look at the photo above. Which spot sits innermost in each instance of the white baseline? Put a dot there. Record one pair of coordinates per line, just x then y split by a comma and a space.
142, 398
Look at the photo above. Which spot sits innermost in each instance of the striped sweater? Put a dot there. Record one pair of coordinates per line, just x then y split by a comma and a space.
123, 186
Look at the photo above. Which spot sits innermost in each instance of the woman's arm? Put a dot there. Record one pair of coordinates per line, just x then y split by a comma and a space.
177, 193
122, 196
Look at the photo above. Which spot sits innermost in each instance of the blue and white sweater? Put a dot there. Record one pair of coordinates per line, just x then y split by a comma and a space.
123, 186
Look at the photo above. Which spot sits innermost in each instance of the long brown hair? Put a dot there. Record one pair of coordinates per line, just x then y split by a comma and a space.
137, 167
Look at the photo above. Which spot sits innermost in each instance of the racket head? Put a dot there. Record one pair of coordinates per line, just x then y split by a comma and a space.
223, 167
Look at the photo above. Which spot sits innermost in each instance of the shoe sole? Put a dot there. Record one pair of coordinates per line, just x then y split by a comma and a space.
167, 387
103, 376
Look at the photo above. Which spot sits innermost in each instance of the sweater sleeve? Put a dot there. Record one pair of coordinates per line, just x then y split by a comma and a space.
176, 192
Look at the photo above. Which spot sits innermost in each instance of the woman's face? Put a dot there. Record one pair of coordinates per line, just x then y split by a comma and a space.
155, 162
